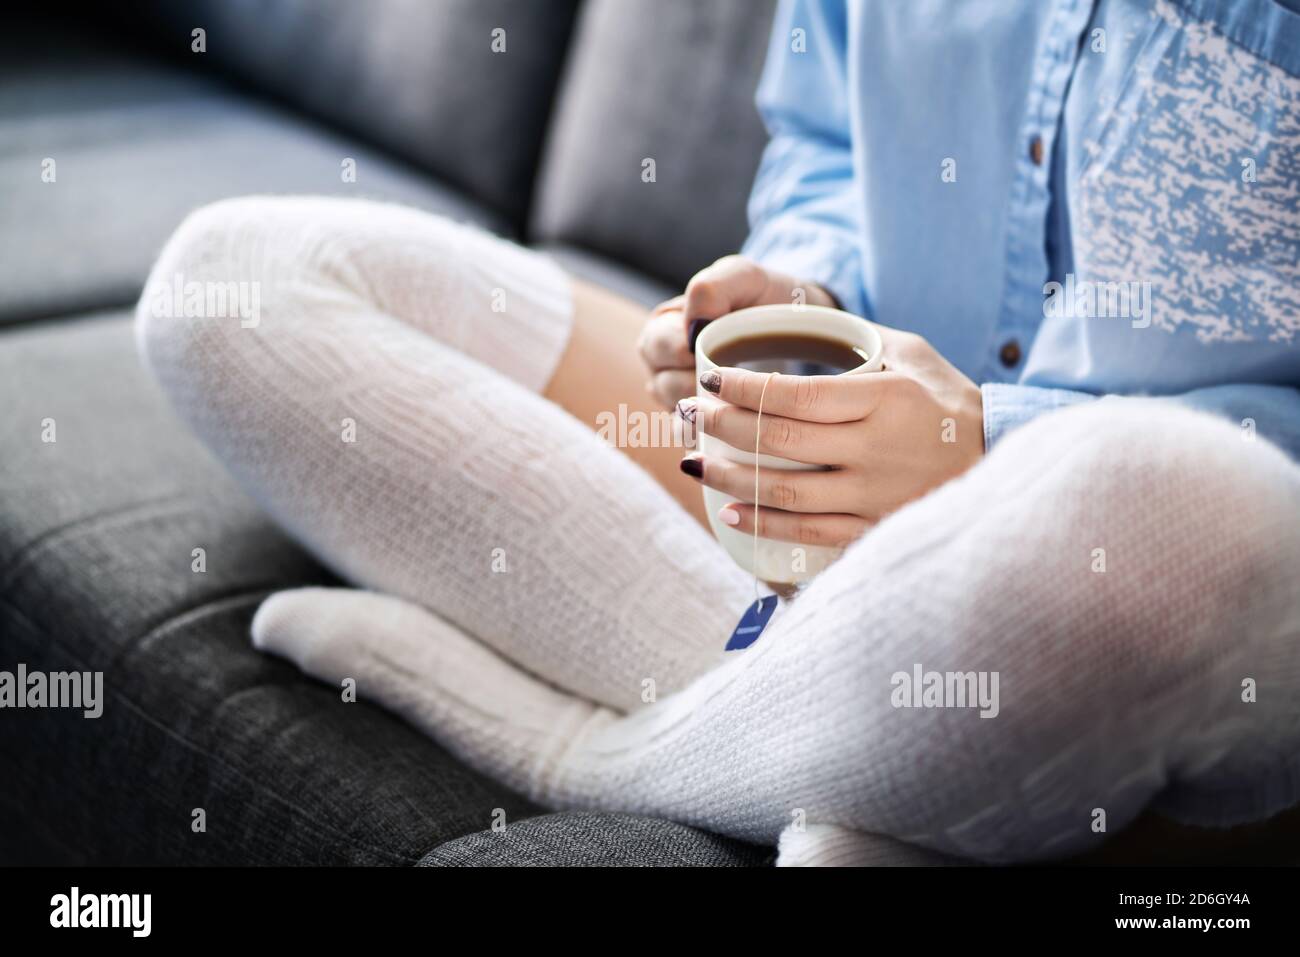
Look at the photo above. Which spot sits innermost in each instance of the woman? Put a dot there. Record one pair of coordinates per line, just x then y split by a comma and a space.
415, 402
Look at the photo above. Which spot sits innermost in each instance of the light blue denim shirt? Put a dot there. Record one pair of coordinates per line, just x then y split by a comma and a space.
938, 164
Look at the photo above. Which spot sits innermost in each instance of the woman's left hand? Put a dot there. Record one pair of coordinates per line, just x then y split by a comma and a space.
889, 437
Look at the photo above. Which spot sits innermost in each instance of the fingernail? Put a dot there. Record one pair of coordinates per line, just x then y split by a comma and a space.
728, 515
712, 382
687, 408
693, 332
693, 466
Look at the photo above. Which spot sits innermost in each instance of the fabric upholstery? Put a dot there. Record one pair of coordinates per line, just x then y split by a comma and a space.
611, 274
136, 146
584, 839
668, 80
97, 529
96, 540
419, 79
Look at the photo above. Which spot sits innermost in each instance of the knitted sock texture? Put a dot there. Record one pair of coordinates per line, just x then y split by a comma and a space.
384, 413
1117, 688
538, 585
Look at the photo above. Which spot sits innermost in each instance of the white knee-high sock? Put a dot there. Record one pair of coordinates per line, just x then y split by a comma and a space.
486, 710
503, 305
829, 845
382, 410
1116, 687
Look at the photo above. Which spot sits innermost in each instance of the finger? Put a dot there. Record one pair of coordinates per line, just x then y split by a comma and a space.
673, 304
731, 283
832, 531
670, 386
811, 442
663, 342
812, 398
900, 347
687, 428
794, 491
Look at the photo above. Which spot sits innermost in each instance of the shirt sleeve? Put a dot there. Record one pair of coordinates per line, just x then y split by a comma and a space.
1268, 411
803, 213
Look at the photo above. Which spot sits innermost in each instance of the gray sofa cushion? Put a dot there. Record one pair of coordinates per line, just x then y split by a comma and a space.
596, 840
96, 535
671, 80
136, 146
420, 79
612, 275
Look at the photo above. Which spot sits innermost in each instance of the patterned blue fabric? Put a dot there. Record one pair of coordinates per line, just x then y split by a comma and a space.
940, 164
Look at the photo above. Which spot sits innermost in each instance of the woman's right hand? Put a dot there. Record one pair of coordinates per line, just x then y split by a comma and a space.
731, 283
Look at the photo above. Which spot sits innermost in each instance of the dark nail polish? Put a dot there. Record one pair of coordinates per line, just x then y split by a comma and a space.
712, 382
693, 332
693, 467
687, 408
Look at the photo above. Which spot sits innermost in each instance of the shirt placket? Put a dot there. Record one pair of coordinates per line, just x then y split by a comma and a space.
1030, 200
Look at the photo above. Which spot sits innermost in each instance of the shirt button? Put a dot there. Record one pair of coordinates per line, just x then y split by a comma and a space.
1036, 150
1009, 353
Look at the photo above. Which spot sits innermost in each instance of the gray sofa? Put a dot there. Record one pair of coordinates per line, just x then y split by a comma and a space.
543, 142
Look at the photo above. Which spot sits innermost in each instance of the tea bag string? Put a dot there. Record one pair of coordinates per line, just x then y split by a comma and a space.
758, 431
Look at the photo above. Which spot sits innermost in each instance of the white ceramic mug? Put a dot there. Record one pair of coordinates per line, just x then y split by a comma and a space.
777, 562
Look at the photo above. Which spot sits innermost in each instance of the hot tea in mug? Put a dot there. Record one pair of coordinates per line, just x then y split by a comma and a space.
789, 340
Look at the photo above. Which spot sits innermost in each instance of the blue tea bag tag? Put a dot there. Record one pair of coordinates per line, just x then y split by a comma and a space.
752, 623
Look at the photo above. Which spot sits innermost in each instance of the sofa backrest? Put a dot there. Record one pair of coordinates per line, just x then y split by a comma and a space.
624, 127
432, 82
668, 81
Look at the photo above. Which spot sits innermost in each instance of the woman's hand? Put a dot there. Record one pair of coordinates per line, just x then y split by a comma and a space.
733, 282
888, 436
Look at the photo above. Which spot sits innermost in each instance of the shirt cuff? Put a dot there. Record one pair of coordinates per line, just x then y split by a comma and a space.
1008, 406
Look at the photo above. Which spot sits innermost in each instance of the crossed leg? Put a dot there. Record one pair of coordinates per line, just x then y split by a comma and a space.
384, 409
1118, 687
